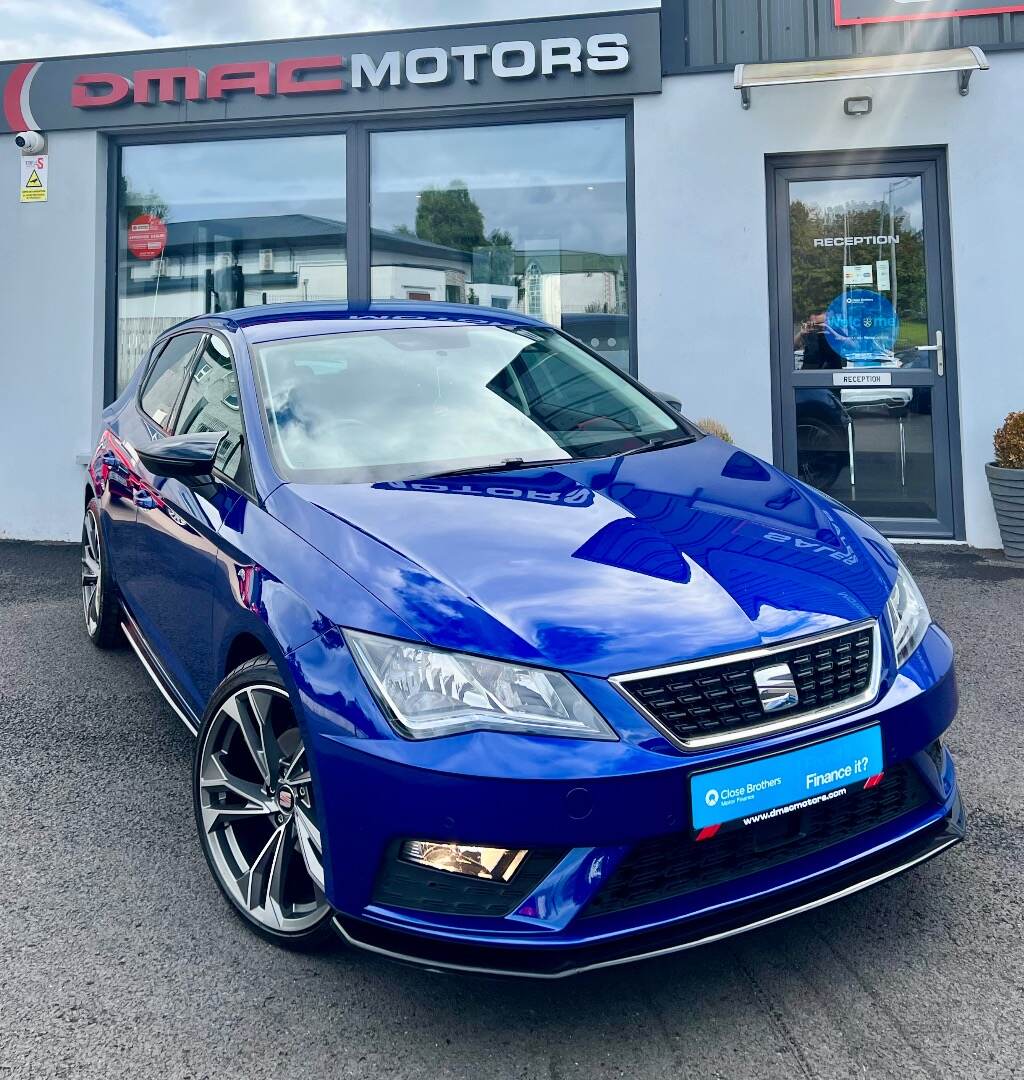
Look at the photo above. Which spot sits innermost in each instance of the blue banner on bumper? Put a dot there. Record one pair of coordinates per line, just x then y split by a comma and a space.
784, 780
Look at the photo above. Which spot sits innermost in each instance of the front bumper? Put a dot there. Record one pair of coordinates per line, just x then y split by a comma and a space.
557, 961
595, 803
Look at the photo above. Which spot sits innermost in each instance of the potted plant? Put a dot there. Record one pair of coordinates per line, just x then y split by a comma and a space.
710, 426
1006, 482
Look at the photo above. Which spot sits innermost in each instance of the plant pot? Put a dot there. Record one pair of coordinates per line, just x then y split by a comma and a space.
1007, 487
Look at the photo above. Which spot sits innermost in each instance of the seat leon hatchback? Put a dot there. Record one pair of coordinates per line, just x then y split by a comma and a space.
494, 661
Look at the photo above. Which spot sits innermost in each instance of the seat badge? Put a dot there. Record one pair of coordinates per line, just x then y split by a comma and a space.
776, 688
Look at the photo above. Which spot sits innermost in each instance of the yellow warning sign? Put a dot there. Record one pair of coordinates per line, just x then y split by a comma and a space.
34, 174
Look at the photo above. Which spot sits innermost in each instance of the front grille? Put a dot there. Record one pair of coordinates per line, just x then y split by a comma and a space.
708, 700
403, 884
674, 865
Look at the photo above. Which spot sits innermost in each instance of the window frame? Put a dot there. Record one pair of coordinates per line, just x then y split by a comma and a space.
357, 132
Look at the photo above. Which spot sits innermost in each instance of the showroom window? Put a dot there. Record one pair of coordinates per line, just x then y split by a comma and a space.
529, 217
209, 226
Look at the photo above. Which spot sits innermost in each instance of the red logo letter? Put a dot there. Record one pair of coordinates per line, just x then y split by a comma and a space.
289, 73
117, 88
227, 78
166, 80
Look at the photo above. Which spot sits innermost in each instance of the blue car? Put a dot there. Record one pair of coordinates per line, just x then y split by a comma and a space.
494, 661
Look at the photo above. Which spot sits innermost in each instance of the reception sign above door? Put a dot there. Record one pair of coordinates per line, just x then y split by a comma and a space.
853, 12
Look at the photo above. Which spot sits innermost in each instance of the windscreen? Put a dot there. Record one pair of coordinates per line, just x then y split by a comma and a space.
415, 401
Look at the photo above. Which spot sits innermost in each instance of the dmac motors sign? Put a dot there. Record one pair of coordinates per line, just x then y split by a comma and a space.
852, 12
582, 57
325, 74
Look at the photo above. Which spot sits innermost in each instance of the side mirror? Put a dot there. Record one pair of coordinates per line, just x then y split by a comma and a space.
183, 457
670, 400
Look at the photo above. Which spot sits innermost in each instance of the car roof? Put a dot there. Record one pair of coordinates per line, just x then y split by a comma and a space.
271, 321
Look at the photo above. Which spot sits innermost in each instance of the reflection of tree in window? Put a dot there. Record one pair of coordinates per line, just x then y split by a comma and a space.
449, 217
483, 204
133, 203
816, 273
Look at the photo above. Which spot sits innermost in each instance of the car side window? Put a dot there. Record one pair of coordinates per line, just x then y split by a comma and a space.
164, 381
212, 404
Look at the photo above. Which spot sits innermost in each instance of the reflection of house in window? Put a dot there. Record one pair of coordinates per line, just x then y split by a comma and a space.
219, 263
216, 264
560, 282
533, 281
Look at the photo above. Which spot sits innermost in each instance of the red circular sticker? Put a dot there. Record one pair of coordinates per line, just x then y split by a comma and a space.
147, 236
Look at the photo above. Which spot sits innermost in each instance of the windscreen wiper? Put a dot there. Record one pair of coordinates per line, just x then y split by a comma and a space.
507, 465
681, 440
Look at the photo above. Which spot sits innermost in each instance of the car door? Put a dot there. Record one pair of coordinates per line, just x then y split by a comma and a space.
176, 549
148, 417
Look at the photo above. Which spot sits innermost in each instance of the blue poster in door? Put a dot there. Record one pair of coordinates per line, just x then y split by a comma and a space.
862, 326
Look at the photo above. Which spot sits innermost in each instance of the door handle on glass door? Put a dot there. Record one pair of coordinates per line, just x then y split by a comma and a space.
940, 353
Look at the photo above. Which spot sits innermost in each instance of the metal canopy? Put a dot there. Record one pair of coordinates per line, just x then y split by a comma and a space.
965, 62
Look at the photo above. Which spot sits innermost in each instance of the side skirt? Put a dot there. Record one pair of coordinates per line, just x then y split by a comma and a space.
155, 671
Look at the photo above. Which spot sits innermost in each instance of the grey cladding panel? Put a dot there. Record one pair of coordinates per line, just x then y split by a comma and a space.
741, 30
830, 40
985, 30
702, 34
786, 24
700, 24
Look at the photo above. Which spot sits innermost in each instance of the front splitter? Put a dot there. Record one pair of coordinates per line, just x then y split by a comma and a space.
560, 962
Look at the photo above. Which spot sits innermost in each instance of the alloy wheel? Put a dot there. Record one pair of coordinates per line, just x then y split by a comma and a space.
92, 575
259, 814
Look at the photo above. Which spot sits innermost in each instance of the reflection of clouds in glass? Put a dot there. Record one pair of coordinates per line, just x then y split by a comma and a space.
242, 177
833, 196
389, 398
504, 156
566, 217
554, 184
369, 436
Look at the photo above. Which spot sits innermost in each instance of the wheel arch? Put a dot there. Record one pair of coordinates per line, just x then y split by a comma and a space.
242, 647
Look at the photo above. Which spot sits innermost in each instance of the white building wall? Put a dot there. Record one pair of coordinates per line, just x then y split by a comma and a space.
702, 284
52, 285
701, 238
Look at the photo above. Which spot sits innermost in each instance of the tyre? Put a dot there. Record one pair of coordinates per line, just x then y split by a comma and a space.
99, 594
256, 810
821, 462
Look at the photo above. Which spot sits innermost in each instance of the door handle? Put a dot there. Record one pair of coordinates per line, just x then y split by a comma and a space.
940, 353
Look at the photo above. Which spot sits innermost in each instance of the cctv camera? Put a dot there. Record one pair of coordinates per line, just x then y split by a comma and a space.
30, 142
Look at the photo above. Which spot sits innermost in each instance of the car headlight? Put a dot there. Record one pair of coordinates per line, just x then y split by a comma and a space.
427, 693
908, 615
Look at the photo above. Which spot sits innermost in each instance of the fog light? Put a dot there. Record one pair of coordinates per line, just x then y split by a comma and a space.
490, 863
